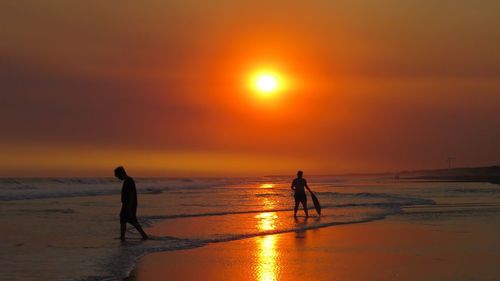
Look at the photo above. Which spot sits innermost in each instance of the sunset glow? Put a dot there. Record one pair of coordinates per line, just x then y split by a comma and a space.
266, 83
199, 83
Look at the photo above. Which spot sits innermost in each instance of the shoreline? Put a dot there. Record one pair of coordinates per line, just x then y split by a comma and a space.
245, 213
336, 251
209, 242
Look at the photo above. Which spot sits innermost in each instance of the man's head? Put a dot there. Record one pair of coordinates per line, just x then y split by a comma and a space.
120, 173
299, 174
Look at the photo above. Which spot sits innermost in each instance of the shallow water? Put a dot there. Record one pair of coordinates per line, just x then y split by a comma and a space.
66, 229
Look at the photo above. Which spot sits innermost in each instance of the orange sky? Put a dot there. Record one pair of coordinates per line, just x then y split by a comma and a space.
161, 87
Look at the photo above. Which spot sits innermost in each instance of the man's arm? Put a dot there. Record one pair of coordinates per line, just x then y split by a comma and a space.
307, 187
131, 201
124, 199
293, 185
129, 195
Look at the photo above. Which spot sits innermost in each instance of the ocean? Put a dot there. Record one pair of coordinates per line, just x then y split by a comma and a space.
68, 228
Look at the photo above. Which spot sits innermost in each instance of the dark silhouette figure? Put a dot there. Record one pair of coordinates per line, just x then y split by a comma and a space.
298, 186
129, 204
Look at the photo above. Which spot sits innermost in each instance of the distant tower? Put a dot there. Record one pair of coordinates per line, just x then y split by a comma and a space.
450, 161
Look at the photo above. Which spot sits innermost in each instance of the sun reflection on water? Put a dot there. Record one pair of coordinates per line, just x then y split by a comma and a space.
267, 268
267, 255
266, 221
266, 198
267, 185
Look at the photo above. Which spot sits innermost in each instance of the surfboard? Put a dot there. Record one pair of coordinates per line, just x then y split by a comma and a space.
317, 206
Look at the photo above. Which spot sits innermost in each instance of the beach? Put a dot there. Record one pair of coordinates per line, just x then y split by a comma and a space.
410, 246
370, 228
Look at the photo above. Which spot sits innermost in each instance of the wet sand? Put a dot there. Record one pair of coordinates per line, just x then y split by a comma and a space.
402, 247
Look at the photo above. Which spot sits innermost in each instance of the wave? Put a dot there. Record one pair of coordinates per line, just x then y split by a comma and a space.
148, 220
32, 189
475, 190
123, 262
270, 194
227, 238
19, 187
61, 211
391, 198
83, 180
452, 208
48, 195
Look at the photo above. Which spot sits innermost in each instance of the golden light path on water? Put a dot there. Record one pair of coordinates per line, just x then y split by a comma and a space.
268, 259
267, 267
267, 185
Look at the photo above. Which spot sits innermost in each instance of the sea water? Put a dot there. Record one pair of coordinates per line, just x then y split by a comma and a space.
68, 229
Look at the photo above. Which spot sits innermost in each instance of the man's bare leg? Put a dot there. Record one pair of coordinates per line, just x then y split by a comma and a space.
139, 228
123, 228
304, 204
295, 209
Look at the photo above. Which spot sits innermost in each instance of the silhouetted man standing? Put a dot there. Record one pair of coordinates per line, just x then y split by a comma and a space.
298, 186
129, 204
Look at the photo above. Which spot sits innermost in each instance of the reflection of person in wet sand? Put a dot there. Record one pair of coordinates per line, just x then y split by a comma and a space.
129, 204
298, 186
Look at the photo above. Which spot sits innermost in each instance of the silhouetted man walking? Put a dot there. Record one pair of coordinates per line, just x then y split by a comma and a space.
298, 186
129, 204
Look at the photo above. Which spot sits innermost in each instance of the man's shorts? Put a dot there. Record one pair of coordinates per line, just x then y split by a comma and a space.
302, 198
126, 216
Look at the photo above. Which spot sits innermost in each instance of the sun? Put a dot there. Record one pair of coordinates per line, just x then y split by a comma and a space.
266, 83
